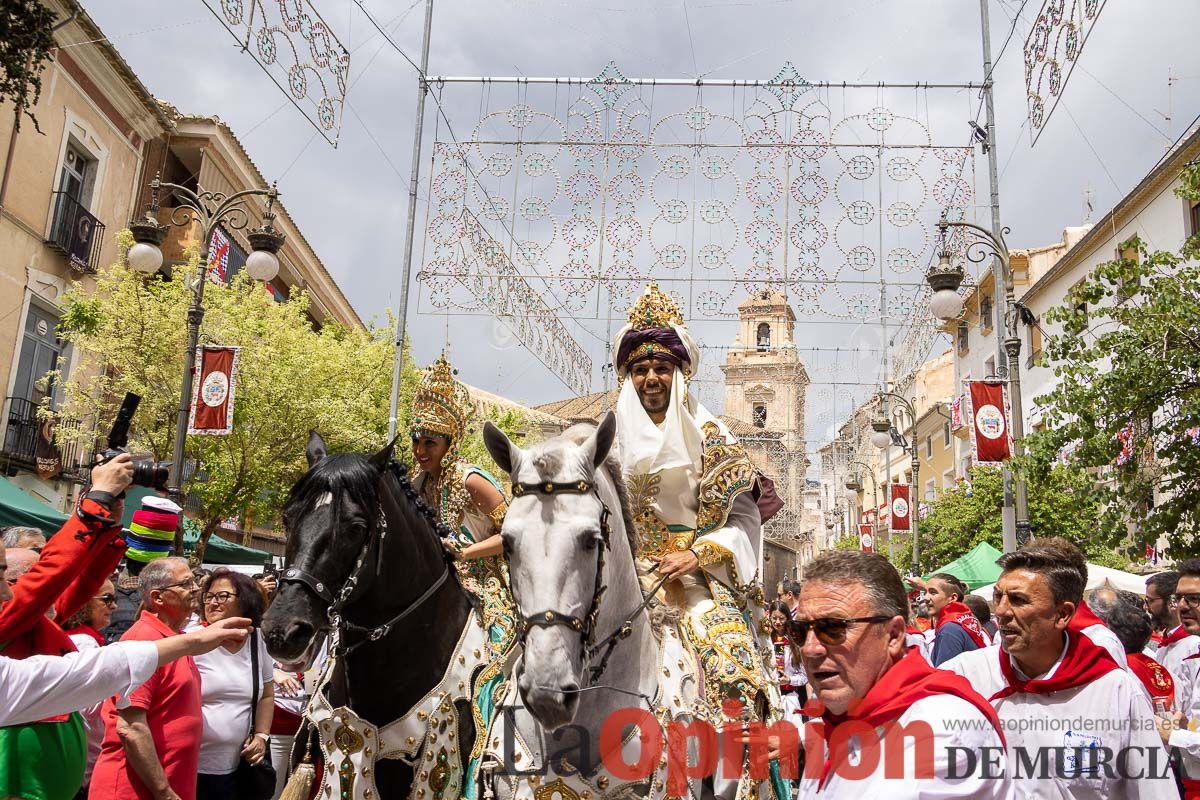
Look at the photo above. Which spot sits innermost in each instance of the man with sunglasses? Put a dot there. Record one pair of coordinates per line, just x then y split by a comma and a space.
850, 627
1077, 724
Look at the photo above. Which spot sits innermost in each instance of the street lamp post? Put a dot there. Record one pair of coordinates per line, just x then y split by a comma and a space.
854, 484
210, 209
882, 438
946, 304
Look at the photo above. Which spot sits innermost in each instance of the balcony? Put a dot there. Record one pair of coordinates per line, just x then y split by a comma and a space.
30, 443
76, 233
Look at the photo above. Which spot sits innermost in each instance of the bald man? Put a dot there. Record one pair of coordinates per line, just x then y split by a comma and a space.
20, 559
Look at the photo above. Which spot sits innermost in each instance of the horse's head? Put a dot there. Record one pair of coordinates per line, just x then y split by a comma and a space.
331, 514
553, 542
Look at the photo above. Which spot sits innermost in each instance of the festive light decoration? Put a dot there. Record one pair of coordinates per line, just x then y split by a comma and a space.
1051, 51
297, 50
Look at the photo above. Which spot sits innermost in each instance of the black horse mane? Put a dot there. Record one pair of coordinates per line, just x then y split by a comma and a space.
341, 475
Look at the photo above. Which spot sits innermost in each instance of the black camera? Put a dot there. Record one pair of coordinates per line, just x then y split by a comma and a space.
146, 471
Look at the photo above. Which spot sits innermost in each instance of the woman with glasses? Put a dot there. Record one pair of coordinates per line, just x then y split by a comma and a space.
84, 628
228, 688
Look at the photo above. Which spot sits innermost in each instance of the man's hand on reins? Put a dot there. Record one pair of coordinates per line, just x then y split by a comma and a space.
676, 565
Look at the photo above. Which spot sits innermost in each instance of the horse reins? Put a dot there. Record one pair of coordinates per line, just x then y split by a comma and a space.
586, 626
337, 602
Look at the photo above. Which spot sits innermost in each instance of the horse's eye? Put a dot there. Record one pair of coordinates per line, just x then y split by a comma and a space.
590, 543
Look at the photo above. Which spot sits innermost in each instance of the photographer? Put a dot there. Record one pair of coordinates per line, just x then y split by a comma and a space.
73, 566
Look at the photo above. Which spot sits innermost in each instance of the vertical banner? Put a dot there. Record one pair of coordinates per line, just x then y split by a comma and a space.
48, 459
212, 397
901, 509
990, 436
866, 538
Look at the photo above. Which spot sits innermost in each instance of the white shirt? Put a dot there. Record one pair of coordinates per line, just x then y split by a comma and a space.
1110, 712
1172, 656
225, 696
922, 644
93, 722
1188, 739
45, 686
1101, 636
955, 724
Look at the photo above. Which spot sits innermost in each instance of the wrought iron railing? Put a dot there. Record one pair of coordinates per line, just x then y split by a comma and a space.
76, 233
21, 450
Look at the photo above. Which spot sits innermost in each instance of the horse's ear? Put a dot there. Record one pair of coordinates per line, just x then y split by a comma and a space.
605, 434
380, 460
501, 448
315, 450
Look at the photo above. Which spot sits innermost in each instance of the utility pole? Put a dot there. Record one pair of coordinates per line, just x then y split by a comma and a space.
1009, 513
413, 177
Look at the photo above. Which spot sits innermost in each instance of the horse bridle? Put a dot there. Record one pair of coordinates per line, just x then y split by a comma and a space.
338, 601
586, 626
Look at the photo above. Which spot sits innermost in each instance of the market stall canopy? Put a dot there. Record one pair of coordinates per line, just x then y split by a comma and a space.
19, 508
1097, 576
976, 568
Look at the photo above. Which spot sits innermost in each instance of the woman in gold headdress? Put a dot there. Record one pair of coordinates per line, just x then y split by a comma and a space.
472, 505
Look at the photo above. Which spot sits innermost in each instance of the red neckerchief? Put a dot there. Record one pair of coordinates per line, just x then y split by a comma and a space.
1177, 635
911, 630
1154, 677
90, 631
1083, 663
959, 613
1084, 618
1158, 638
910, 679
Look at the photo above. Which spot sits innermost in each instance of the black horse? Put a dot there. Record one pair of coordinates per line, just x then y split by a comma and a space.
333, 521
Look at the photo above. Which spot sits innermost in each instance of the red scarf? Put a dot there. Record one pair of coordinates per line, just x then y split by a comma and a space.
1084, 618
1154, 677
89, 630
1178, 635
910, 679
1083, 663
959, 613
1158, 638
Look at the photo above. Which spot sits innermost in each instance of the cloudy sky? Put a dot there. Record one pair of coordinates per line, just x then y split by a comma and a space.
1108, 130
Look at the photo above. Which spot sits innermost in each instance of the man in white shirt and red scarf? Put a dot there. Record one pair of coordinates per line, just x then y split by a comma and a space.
1175, 644
1078, 725
1085, 620
872, 694
958, 630
1184, 735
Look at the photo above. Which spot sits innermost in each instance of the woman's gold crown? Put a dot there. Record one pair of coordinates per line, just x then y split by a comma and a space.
442, 404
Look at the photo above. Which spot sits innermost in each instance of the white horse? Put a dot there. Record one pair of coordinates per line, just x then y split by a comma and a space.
590, 648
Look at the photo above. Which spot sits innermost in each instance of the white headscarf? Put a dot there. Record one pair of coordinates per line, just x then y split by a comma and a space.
646, 448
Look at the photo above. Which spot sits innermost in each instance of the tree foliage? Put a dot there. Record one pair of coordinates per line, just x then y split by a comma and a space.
1125, 411
291, 378
26, 39
1060, 504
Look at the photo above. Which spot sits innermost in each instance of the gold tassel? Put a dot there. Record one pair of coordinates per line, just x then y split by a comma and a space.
300, 782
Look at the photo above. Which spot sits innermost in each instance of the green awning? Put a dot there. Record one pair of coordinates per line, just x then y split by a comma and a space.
19, 508
977, 568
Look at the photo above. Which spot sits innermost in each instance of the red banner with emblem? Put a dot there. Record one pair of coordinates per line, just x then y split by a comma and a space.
866, 538
989, 417
212, 396
901, 509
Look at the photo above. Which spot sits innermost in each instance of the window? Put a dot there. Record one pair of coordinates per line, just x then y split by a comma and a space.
75, 231
764, 337
1034, 357
78, 174
1194, 219
760, 415
985, 313
929, 447
989, 367
964, 336
947, 438
930, 488
1127, 251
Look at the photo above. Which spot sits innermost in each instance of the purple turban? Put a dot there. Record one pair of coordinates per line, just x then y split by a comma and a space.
662, 343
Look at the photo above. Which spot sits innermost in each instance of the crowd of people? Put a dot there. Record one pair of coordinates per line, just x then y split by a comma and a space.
144, 681
1047, 691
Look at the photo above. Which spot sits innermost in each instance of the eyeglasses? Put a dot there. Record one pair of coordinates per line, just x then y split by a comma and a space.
830, 630
218, 597
1189, 599
189, 583
107, 599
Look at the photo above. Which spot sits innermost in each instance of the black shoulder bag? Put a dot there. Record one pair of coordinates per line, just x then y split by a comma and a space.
255, 781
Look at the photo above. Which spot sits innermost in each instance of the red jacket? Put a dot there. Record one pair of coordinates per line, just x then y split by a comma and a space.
73, 566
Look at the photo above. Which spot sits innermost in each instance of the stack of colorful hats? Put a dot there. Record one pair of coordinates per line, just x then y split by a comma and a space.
152, 532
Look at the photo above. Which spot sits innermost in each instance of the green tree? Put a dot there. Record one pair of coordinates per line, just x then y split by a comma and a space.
1125, 411
291, 379
1061, 504
26, 39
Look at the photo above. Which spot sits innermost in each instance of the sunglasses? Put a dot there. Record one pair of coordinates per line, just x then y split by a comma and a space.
190, 583
831, 630
107, 599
